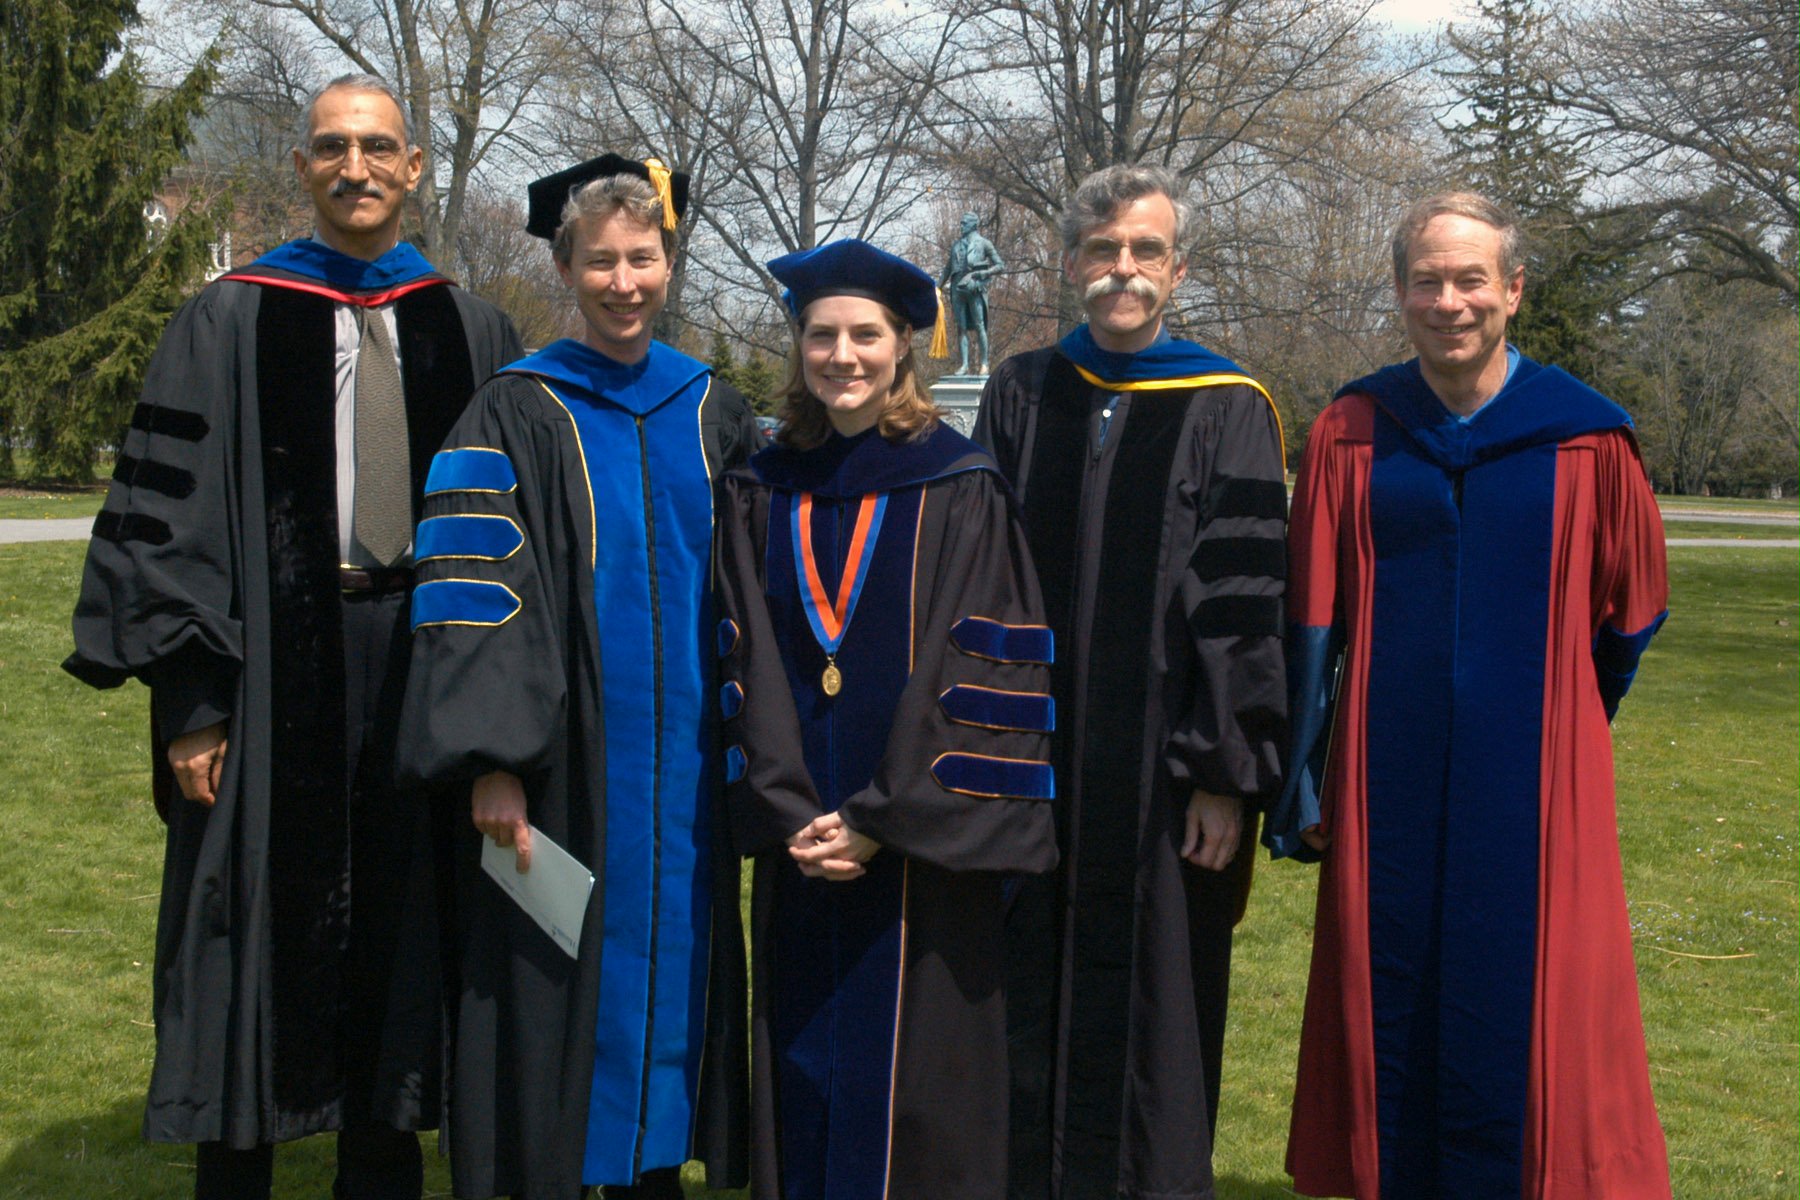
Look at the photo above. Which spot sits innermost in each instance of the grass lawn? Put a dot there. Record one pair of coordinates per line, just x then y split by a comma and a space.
1731, 504
24, 503
1706, 757
1689, 528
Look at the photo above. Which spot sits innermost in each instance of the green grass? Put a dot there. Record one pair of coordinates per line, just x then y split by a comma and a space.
1788, 507
23, 503
1706, 759
1684, 527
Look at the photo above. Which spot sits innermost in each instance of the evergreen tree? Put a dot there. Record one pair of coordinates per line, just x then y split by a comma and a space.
1508, 147
758, 381
754, 377
85, 287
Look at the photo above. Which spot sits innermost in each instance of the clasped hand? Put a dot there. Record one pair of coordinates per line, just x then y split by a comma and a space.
826, 848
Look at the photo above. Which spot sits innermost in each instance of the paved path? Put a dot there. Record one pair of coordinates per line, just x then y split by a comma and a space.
1743, 543
45, 529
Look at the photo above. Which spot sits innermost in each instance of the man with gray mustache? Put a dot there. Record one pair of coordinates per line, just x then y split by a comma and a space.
1150, 474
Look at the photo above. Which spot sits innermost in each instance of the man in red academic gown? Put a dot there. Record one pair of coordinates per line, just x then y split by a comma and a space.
1477, 562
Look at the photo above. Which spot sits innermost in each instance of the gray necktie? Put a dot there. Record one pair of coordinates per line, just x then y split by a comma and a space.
383, 513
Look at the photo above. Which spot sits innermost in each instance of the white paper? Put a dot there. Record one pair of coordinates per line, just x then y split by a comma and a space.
554, 893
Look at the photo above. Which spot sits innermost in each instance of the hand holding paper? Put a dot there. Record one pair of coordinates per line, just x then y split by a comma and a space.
553, 892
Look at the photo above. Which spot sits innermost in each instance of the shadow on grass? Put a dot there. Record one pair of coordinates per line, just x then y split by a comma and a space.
1236, 1187
102, 1154
96, 1154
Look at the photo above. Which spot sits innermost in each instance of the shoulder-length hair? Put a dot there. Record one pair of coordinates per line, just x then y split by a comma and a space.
908, 413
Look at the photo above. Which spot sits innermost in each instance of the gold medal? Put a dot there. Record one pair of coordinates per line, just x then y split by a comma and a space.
832, 680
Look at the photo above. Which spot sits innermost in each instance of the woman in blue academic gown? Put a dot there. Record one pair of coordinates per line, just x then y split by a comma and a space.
885, 677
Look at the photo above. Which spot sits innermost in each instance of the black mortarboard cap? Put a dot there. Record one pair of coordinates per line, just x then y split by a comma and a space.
550, 194
852, 267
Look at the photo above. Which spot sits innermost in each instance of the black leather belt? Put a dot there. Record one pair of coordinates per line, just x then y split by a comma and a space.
374, 579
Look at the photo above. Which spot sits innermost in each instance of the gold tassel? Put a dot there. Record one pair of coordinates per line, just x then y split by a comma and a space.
659, 179
940, 333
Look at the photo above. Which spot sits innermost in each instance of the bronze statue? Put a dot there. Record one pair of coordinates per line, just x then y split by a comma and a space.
973, 260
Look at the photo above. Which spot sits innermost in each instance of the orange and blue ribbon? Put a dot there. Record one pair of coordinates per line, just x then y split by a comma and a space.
829, 616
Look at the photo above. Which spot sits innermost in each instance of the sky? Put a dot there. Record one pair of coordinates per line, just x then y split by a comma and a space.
1417, 16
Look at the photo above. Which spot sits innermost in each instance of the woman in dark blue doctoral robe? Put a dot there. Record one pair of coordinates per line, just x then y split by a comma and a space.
885, 678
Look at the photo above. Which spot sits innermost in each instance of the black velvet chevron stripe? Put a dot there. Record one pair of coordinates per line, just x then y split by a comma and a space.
1265, 498
172, 482
131, 527
1237, 616
991, 708
1222, 558
169, 422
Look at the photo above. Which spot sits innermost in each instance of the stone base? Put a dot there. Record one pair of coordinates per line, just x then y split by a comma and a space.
960, 398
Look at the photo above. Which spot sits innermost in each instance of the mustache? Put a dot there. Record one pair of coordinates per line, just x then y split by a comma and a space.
1106, 285
344, 187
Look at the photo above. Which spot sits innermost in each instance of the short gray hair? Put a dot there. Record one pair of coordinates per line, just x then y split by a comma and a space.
602, 198
1472, 205
356, 81
1099, 196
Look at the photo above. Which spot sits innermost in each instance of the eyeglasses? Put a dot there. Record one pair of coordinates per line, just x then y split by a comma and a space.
1148, 253
376, 151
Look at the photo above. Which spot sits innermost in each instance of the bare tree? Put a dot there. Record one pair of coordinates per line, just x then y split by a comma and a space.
1227, 93
1689, 104
792, 134
467, 69
513, 270
1695, 365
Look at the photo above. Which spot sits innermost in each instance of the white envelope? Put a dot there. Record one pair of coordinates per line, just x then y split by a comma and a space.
554, 893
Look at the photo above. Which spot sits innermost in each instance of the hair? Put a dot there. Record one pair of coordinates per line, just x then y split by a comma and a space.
1472, 205
1099, 196
602, 198
908, 414
356, 81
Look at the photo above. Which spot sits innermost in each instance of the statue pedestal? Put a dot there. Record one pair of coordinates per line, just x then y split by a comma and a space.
960, 398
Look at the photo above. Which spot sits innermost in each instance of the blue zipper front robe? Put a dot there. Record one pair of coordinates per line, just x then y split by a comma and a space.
562, 632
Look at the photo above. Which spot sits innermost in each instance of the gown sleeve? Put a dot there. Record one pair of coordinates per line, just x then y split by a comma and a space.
158, 598
488, 685
770, 793
1631, 585
1315, 643
1227, 734
965, 781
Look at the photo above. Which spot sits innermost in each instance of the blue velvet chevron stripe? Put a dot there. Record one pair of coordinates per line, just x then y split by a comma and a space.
470, 469
992, 708
985, 638
1616, 658
463, 602
995, 778
490, 538
735, 763
731, 700
728, 637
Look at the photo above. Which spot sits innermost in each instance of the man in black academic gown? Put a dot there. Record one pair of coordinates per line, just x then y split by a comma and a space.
1150, 473
251, 565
